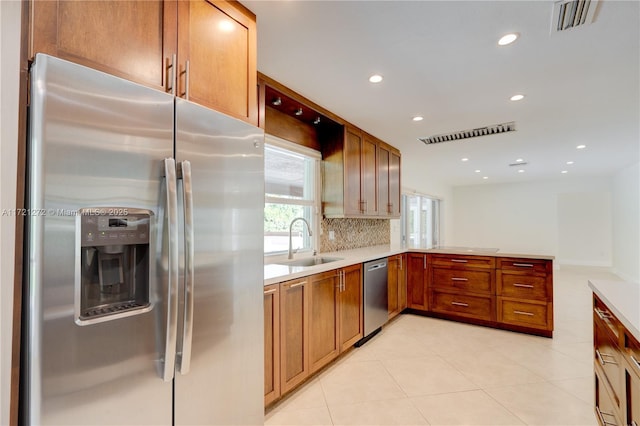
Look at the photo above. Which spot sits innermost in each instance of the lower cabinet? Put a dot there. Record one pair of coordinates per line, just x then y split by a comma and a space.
397, 284
417, 281
616, 368
324, 290
294, 333
271, 343
315, 318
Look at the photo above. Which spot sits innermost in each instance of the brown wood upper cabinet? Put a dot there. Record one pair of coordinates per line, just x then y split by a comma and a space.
388, 180
361, 176
201, 50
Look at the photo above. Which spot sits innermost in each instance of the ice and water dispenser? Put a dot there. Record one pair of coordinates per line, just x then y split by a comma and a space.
112, 280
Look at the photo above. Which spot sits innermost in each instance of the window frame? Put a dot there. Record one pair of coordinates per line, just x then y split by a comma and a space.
314, 203
426, 240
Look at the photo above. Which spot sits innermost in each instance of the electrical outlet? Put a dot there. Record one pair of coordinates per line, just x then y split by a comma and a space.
332, 235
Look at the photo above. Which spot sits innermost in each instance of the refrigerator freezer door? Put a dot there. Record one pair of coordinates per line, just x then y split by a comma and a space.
95, 140
224, 385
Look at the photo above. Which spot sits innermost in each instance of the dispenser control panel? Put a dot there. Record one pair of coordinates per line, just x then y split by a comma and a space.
107, 229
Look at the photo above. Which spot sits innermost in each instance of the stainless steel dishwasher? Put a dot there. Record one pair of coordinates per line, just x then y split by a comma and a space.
376, 312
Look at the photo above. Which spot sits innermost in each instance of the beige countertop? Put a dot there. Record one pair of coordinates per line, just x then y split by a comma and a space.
275, 273
623, 299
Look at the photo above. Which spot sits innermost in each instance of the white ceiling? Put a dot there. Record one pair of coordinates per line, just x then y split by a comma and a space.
440, 59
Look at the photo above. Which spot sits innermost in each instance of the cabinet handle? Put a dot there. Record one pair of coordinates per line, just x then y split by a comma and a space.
460, 304
273, 290
523, 265
529, 314
401, 267
602, 314
390, 208
459, 260
601, 415
297, 284
603, 361
424, 261
170, 81
459, 279
522, 285
635, 361
185, 94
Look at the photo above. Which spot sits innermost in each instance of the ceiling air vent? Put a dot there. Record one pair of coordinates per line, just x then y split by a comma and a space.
471, 133
569, 14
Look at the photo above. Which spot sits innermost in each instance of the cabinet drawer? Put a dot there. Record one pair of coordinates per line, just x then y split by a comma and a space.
603, 316
462, 261
606, 355
632, 353
472, 281
527, 266
606, 411
462, 305
525, 314
522, 286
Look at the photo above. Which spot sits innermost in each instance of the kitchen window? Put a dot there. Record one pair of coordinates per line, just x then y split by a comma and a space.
420, 220
291, 191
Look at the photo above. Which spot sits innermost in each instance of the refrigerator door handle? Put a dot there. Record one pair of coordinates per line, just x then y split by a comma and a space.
187, 331
169, 357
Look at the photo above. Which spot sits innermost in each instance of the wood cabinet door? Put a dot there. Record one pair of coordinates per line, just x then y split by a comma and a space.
384, 156
402, 283
217, 55
271, 343
323, 319
369, 175
353, 203
394, 184
130, 39
416, 276
393, 264
351, 319
294, 333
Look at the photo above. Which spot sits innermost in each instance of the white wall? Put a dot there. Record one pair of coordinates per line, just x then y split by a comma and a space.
9, 83
626, 223
537, 218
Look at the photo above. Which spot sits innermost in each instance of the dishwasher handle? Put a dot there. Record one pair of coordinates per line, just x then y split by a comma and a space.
377, 266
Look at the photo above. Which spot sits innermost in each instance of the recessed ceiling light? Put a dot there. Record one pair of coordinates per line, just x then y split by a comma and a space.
418, 118
477, 171
517, 97
485, 177
564, 172
519, 160
464, 159
581, 147
569, 162
521, 171
508, 39
376, 78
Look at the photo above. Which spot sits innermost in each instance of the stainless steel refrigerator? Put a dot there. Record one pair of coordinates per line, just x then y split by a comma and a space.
143, 293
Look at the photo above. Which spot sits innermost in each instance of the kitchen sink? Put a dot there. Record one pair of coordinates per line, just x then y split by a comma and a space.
311, 261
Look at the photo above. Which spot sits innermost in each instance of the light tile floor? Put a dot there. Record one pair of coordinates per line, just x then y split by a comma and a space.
426, 371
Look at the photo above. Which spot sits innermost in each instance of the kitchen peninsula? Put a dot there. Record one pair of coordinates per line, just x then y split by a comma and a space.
314, 313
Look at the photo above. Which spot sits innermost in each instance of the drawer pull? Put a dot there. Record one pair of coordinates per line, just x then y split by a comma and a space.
522, 285
602, 314
459, 260
635, 361
601, 358
601, 415
524, 265
529, 314
460, 304
273, 290
297, 284
459, 279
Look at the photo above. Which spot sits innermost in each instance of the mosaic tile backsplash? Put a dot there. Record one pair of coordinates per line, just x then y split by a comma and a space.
353, 233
